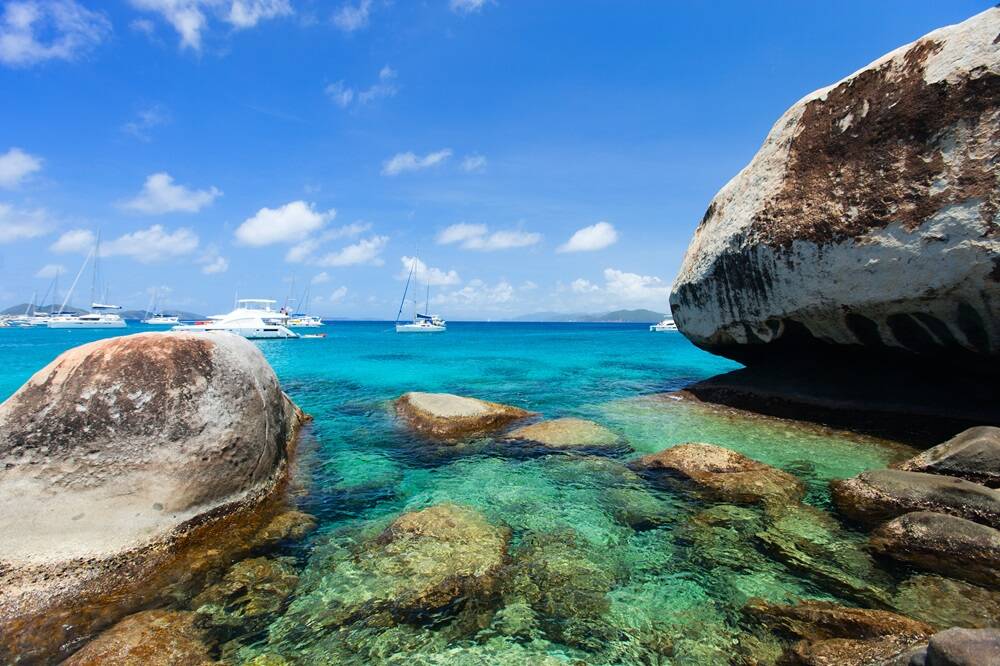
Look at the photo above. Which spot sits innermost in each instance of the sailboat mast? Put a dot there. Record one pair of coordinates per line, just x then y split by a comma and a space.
406, 289
94, 296
69, 294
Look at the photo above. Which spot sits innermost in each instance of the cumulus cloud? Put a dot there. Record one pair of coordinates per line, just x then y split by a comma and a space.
466, 6
153, 244
145, 120
16, 165
581, 286
474, 163
401, 162
337, 295
32, 31
478, 237
365, 251
344, 96
75, 241
212, 262
320, 278
160, 195
633, 287
190, 17
17, 224
479, 295
353, 17
595, 237
425, 274
290, 223
305, 250
49, 271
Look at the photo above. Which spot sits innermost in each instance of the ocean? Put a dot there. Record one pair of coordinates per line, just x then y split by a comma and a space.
628, 572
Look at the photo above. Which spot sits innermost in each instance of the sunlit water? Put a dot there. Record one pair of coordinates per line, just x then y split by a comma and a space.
638, 573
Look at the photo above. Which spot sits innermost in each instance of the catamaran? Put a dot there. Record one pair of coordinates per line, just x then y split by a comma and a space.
253, 318
665, 325
156, 318
101, 315
422, 323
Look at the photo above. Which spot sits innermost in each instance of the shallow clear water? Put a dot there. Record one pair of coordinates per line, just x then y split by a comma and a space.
626, 572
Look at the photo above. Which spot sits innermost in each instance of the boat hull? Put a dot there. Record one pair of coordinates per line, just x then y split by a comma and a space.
416, 328
86, 324
252, 333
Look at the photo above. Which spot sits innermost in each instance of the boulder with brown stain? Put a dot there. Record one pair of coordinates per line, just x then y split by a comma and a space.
723, 473
973, 455
115, 458
873, 497
944, 544
149, 638
867, 224
446, 417
567, 433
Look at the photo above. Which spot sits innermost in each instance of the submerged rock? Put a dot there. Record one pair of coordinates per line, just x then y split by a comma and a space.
286, 526
567, 433
943, 602
118, 461
724, 473
447, 416
879, 495
944, 544
973, 455
881, 651
250, 594
866, 225
149, 638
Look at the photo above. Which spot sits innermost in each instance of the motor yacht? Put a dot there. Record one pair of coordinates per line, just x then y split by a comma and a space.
253, 318
665, 325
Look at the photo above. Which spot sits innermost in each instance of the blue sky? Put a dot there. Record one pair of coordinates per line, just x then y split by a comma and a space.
534, 155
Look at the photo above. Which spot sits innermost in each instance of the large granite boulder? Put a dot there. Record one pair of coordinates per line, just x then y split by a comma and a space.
944, 544
876, 496
867, 221
117, 461
446, 416
723, 473
973, 455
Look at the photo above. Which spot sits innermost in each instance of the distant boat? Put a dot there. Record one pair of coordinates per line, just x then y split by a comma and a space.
665, 325
422, 323
101, 315
253, 318
156, 318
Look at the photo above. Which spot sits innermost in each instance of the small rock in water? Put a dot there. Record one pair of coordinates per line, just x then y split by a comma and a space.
943, 602
149, 638
973, 455
286, 526
944, 544
567, 433
725, 473
446, 416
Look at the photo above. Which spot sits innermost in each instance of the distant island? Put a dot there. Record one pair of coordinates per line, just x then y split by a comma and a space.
614, 317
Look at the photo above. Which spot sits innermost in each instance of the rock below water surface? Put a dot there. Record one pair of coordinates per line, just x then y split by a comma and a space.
567, 433
866, 227
125, 465
149, 638
447, 417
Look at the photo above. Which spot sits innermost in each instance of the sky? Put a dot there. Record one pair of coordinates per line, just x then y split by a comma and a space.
523, 155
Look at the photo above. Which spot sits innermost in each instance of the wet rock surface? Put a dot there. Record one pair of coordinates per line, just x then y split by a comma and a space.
149, 638
723, 473
963, 647
973, 455
876, 496
944, 544
945, 602
446, 416
865, 228
567, 433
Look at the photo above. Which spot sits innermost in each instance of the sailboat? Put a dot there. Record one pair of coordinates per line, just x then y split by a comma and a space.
101, 315
422, 323
156, 318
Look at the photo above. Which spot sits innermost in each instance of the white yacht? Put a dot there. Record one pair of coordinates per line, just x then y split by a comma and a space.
253, 318
422, 323
156, 318
665, 325
101, 315
300, 320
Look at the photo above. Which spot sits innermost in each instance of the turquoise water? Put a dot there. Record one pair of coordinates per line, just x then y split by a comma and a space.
602, 566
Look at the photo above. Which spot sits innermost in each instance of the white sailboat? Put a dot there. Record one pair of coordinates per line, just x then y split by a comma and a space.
156, 318
253, 318
422, 323
101, 315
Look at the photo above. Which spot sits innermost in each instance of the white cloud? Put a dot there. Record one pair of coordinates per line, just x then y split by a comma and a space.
320, 278
152, 244
159, 195
188, 17
581, 286
636, 288
77, 241
477, 237
16, 165
353, 17
306, 249
17, 224
212, 262
145, 120
32, 31
595, 237
466, 6
401, 162
343, 95
365, 251
50, 271
479, 295
338, 294
425, 274
474, 163
290, 223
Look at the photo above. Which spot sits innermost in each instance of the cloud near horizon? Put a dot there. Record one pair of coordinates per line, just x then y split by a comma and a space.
589, 239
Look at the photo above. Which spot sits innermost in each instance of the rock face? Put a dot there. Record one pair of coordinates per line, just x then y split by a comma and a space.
567, 433
727, 474
868, 220
973, 455
944, 544
964, 647
447, 416
149, 638
115, 453
876, 496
